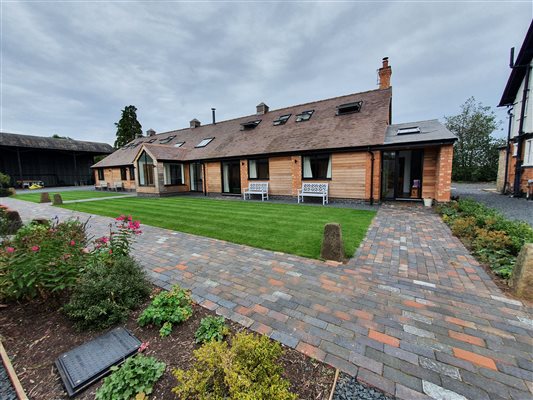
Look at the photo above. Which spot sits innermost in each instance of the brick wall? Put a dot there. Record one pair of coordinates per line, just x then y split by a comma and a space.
112, 175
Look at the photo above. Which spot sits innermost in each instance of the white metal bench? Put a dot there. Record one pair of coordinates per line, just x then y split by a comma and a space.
314, 190
118, 186
102, 185
260, 188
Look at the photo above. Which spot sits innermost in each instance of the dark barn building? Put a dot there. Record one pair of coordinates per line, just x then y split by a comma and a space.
54, 161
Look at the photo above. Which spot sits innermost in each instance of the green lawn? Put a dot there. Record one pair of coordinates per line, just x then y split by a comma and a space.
281, 227
68, 195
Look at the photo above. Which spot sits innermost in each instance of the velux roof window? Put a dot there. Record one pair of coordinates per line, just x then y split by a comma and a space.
204, 142
408, 131
151, 141
282, 120
349, 108
246, 126
304, 116
167, 139
179, 144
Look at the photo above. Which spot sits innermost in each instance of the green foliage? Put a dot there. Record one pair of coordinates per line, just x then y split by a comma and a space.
249, 369
119, 241
167, 308
5, 180
107, 292
137, 375
128, 128
476, 151
494, 239
42, 260
211, 328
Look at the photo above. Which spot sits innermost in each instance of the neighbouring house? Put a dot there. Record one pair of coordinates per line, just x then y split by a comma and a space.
54, 161
515, 167
347, 142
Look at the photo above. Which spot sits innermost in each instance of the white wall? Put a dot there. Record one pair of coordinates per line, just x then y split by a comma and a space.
528, 120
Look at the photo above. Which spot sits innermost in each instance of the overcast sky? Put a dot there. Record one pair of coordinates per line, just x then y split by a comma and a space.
68, 68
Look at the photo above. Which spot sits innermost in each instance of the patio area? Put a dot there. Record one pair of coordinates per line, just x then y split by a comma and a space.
412, 313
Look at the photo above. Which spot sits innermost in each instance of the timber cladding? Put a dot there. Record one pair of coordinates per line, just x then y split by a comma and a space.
214, 177
429, 178
280, 172
348, 173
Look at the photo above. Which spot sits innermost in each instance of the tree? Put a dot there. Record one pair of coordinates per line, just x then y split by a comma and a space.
476, 151
128, 128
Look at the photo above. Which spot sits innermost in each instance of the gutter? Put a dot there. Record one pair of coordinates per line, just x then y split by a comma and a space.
518, 166
507, 150
371, 176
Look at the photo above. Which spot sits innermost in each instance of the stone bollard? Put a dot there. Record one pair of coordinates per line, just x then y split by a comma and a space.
522, 278
332, 245
57, 200
14, 223
45, 197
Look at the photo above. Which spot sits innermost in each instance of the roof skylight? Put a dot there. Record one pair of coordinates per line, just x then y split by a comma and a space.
408, 131
151, 141
250, 124
167, 139
179, 144
204, 142
349, 108
304, 116
282, 120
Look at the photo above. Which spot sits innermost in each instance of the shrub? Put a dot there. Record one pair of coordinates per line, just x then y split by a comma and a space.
137, 375
211, 328
42, 260
249, 369
464, 227
106, 293
167, 308
120, 239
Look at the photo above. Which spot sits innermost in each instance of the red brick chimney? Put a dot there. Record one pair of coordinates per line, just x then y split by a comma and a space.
385, 73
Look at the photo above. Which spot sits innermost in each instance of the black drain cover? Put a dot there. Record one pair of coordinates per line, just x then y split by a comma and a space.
87, 363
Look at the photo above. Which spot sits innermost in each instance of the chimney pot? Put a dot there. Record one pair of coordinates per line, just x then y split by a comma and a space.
150, 132
385, 73
262, 108
195, 123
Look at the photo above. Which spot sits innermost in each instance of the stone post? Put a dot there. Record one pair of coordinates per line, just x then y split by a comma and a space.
14, 223
45, 197
332, 245
522, 278
57, 200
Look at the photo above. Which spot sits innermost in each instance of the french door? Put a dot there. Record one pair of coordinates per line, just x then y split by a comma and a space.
401, 174
231, 177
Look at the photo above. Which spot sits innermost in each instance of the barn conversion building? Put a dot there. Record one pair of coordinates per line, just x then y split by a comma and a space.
54, 161
347, 142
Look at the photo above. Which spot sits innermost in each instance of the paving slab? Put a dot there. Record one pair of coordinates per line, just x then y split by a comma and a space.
412, 312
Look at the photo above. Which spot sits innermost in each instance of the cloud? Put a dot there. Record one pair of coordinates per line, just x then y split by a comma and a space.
69, 68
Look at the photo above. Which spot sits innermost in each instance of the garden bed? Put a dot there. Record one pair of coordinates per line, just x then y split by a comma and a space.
36, 333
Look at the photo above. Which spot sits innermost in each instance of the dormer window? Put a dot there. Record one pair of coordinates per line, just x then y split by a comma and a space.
408, 131
304, 116
167, 139
349, 108
179, 144
282, 120
204, 142
246, 126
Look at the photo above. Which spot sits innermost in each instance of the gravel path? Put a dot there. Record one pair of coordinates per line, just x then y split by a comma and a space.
6, 389
513, 208
349, 389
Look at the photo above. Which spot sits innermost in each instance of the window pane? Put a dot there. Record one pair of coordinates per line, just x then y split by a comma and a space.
146, 170
132, 173
316, 167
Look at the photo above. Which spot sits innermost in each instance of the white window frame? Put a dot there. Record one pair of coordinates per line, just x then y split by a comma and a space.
528, 153
166, 174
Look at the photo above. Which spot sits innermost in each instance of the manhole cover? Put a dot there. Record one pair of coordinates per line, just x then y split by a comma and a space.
87, 363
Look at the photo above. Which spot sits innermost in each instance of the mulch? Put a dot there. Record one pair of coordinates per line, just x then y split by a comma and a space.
36, 333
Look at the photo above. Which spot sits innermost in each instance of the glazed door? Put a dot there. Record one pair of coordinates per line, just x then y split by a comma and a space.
231, 177
196, 175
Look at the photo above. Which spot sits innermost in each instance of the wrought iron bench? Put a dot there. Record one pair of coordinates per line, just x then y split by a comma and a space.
314, 190
260, 188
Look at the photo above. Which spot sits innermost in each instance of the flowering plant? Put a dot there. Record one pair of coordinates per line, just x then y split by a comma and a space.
120, 239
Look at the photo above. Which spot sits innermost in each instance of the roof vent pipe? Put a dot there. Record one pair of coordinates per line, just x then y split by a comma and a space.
213, 113
511, 58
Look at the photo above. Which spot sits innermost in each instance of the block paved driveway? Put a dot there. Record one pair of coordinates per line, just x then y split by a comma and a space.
412, 313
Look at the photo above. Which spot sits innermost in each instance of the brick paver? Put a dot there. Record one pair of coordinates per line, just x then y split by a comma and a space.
412, 312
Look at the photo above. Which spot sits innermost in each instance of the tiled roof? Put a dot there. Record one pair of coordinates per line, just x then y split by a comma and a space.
325, 130
49, 143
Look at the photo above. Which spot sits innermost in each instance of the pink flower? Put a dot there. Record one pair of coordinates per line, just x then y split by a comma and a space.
143, 346
110, 251
121, 218
10, 249
85, 250
35, 248
129, 218
72, 243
